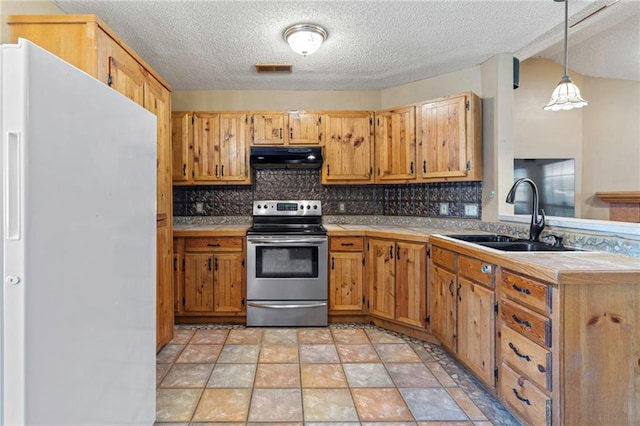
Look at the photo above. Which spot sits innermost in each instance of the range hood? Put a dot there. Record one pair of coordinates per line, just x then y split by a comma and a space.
307, 157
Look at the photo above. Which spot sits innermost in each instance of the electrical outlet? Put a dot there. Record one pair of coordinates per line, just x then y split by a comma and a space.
199, 207
471, 210
342, 208
444, 209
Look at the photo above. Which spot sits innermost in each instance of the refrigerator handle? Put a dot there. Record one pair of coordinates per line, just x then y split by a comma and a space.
13, 179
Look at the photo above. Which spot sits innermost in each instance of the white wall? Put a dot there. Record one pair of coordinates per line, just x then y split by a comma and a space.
25, 7
603, 137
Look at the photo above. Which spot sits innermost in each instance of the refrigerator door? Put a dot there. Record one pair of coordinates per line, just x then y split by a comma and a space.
78, 232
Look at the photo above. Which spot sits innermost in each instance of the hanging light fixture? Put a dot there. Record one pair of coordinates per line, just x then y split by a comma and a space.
567, 95
305, 38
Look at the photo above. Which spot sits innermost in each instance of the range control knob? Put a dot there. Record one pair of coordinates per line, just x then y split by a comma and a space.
308, 206
301, 207
315, 207
258, 206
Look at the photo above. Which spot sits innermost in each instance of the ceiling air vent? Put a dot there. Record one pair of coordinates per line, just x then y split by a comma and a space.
279, 68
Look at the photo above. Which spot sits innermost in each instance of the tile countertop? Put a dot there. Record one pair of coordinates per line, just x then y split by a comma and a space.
574, 267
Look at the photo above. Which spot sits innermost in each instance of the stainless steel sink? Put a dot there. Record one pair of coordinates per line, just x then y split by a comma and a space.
505, 243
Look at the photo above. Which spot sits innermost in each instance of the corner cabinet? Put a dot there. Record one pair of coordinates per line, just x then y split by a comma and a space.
462, 309
348, 148
211, 273
449, 138
396, 145
88, 43
211, 148
397, 276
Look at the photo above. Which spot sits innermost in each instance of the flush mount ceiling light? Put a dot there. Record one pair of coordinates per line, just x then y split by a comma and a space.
567, 95
305, 38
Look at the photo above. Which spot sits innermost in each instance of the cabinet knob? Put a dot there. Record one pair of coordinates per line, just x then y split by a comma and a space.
485, 269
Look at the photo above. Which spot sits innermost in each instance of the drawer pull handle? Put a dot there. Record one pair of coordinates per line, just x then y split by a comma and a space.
515, 351
213, 245
485, 269
521, 322
450, 287
525, 400
520, 289
346, 244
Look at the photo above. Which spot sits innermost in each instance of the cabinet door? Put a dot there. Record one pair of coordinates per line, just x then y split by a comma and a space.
164, 287
396, 145
475, 322
348, 148
442, 138
181, 141
346, 277
304, 128
228, 282
411, 283
382, 278
178, 274
127, 79
234, 167
442, 306
198, 282
206, 149
268, 129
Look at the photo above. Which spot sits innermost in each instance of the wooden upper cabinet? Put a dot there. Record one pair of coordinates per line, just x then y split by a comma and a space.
126, 79
268, 128
348, 148
206, 146
304, 128
449, 138
182, 146
396, 145
234, 165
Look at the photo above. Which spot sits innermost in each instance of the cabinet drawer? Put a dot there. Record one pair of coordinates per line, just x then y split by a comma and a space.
529, 358
476, 270
444, 258
346, 244
213, 244
526, 322
524, 397
527, 291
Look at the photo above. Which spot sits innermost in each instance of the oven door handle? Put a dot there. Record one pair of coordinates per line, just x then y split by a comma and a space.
315, 241
287, 306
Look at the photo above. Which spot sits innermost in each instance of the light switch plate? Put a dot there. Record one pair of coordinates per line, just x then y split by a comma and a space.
471, 210
444, 209
342, 208
199, 207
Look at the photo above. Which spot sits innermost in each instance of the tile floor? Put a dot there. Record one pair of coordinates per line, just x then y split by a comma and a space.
344, 374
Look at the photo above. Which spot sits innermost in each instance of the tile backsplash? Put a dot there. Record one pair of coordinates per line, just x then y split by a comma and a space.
424, 199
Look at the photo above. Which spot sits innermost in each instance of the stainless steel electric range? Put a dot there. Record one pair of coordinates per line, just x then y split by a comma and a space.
287, 250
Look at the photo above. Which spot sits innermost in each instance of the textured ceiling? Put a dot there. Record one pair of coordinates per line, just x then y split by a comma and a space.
214, 44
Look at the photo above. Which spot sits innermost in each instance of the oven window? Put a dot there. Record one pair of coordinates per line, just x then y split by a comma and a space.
287, 262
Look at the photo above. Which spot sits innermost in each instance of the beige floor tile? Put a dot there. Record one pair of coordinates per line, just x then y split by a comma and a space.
357, 353
176, 405
467, 405
277, 376
187, 376
181, 336
443, 377
380, 404
232, 376
328, 405
380, 336
274, 353
287, 409
244, 336
363, 375
412, 375
169, 353
318, 354
401, 352
209, 337
388, 424
349, 336
161, 371
322, 376
315, 336
280, 336
483, 423
199, 354
223, 405
239, 354
445, 424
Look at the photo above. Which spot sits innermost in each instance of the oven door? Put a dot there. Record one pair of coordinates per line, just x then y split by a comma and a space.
287, 267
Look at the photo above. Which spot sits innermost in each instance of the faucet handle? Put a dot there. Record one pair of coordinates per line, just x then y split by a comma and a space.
541, 222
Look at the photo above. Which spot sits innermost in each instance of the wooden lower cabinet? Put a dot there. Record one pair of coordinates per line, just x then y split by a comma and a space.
346, 275
211, 275
397, 277
462, 309
164, 288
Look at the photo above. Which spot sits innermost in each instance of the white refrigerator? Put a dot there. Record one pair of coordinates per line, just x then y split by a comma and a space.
78, 247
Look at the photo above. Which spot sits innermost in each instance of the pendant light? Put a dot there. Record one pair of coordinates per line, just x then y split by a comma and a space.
305, 38
567, 95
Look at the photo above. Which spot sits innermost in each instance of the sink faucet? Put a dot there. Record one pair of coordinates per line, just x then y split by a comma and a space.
537, 224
